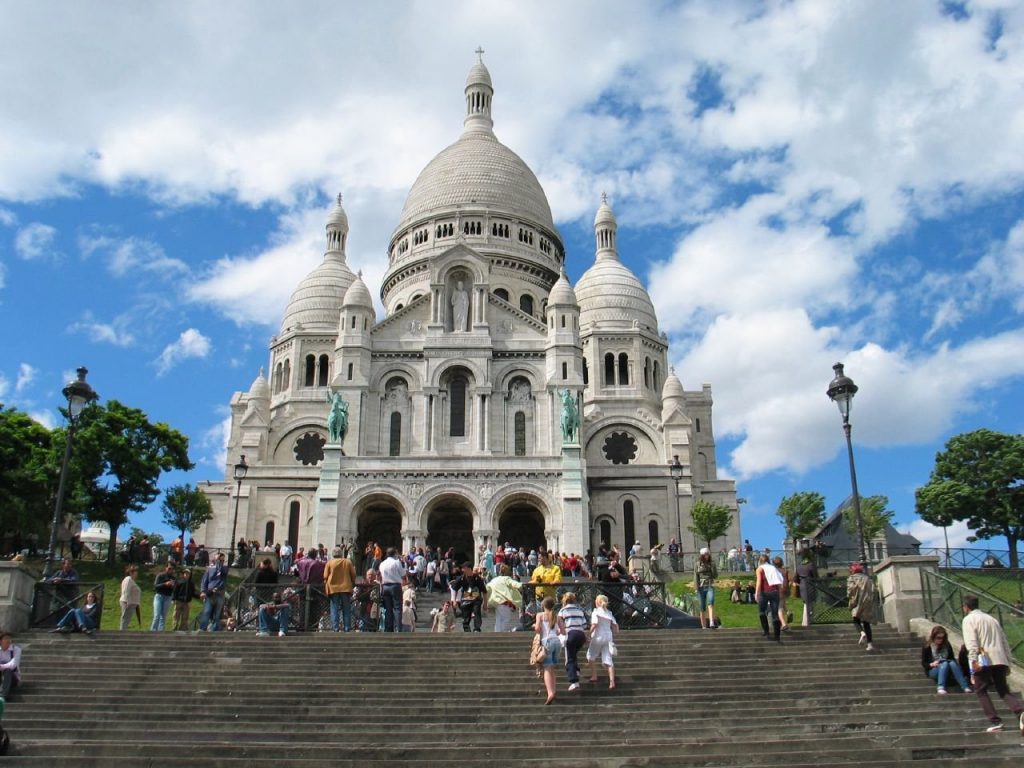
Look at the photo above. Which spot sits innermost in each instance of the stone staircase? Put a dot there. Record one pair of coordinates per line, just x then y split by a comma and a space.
685, 698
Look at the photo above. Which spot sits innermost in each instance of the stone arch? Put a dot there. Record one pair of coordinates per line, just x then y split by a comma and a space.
380, 377
523, 517
519, 414
647, 440
283, 451
449, 518
378, 514
599, 533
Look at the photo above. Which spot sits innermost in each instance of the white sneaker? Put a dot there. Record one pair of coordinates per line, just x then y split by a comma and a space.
863, 638
995, 728
262, 634
574, 687
871, 647
281, 633
1022, 724
941, 691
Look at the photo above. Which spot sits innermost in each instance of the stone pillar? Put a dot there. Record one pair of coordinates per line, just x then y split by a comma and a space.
575, 503
325, 520
901, 587
16, 584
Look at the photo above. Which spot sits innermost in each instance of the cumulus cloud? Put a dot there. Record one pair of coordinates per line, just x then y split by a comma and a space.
5, 384
7, 218
117, 332
26, 375
213, 443
933, 537
131, 255
46, 418
35, 241
190, 344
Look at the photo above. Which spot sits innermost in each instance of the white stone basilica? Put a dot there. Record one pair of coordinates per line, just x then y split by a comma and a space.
453, 398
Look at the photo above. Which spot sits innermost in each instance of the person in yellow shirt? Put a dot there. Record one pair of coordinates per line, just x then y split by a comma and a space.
547, 572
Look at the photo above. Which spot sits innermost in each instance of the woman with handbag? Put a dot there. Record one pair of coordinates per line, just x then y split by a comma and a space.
546, 630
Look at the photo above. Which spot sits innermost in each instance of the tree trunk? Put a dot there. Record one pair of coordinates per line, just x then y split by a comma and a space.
1012, 541
112, 546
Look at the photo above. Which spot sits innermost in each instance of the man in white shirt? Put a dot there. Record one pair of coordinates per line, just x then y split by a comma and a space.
989, 654
392, 571
286, 558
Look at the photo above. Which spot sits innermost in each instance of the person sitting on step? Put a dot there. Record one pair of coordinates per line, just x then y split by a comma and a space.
275, 615
10, 665
84, 619
939, 662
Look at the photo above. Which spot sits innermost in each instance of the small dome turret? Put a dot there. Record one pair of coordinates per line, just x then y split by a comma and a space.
673, 388
260, 389
479, 92
562, 293
358, 295
337, 228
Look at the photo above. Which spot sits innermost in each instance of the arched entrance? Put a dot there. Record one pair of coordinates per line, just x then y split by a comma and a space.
522, 525
450, 524
380, 521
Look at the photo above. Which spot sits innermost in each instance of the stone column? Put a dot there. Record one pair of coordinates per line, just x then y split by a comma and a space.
325, 512
901, 587
575, 532
17, 582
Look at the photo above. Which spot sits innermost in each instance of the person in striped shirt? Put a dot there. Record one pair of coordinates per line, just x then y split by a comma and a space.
572, 623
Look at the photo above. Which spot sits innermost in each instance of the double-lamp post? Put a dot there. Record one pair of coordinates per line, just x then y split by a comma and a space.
78, 394
841, 391
241, 468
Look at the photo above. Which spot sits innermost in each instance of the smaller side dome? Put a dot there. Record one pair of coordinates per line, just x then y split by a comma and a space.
605, 214
605, 229
260, 389
337, 228
358, 295
562, 293
673, 388
479, 74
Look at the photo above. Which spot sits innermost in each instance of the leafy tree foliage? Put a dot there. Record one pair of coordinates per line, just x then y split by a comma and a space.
29, 457
710, 520
874, 512
155, 539
801, 513
979, 478
186, 508
118, 458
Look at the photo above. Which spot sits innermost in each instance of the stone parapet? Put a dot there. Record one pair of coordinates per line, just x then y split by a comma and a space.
901, 587
16, 584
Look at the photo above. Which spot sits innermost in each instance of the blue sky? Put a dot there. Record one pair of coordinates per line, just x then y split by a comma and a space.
796, 182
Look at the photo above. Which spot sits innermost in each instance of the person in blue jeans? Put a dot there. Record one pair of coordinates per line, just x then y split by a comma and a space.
211, 592
82, 619
275, 615
163, 592
939, 662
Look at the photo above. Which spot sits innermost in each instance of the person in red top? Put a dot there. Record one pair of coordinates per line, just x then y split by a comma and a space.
769, 581
572, 565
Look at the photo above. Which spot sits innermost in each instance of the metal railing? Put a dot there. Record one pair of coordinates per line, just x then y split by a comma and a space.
635, 604
954, 557
310, 610
51, 602
943, 604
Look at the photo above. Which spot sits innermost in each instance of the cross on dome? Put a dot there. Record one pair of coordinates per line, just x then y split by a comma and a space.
339, 198
480, 54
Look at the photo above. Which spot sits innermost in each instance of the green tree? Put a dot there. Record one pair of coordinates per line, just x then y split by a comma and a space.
28, 461
874, 512
710, 520
979, 478
118, 458
186, 508
801, 514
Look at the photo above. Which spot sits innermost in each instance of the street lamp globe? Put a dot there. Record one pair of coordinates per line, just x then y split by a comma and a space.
841, 390
241, 469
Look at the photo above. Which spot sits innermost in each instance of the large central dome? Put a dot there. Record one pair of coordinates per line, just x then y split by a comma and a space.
477, 171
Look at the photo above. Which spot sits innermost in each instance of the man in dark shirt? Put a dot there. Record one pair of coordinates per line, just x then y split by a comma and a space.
471, 603
163, 592
311, 568
211, 592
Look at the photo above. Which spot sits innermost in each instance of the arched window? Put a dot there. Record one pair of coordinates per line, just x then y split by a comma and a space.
657, 377
606, 532
325, 367
623, 369
277, 378
652, 533
349, 371
286, 377
457, 398
563, 321
293, 523
395, 440
565, 371
647, 372
526, 304
399, 307
586, 372
697, 424
628, 522
310, 371
268, 533
609, 369
520, 433
502, 294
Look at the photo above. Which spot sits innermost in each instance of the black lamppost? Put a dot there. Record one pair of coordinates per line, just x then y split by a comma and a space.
78, 394
241, 468
677, 475
841, 391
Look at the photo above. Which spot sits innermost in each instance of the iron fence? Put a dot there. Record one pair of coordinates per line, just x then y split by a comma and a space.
635, 604
310, 606
943, 604
51, 602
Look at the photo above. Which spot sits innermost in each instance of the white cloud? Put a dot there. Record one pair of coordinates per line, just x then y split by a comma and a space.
118, 332
46, 418
7, 218
131, 255
190, 344
771, 369
5, 384
932, 536
26, 375
213, 443
35, 241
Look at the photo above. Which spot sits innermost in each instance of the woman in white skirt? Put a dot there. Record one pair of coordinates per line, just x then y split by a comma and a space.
603, 628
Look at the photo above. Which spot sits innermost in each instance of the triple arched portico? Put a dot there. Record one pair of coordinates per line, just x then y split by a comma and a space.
443, 513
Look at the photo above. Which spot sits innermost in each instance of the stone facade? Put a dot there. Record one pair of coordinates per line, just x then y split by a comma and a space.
455, 396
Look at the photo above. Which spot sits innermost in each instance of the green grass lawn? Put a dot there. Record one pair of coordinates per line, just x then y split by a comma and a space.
732, 614
91, 572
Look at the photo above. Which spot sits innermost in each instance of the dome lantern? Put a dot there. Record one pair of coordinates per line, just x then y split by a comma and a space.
605, 228
337, 229
479, 93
